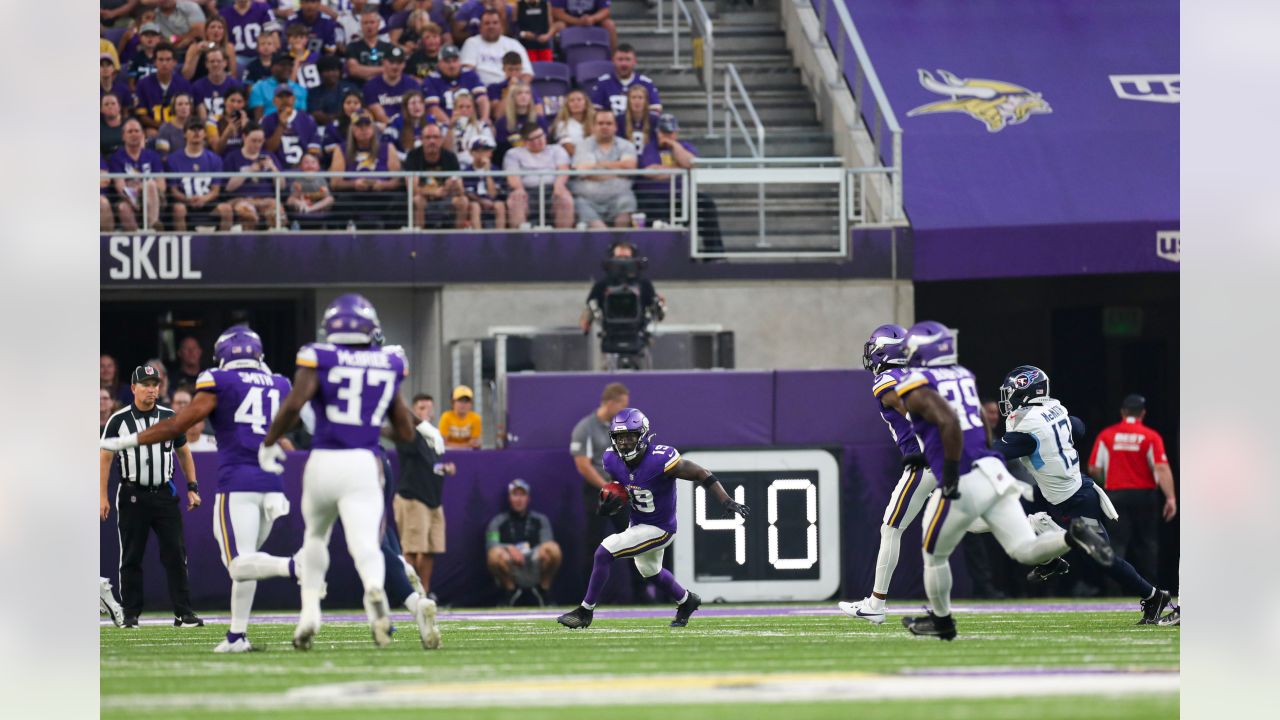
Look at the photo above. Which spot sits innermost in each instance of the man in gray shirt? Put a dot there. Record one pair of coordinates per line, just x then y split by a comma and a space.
587, 445
604, 198
522, 554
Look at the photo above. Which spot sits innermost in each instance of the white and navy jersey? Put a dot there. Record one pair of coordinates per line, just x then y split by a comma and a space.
146, 465
1038, 436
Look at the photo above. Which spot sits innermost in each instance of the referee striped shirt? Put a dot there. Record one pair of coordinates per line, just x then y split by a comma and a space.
146, 465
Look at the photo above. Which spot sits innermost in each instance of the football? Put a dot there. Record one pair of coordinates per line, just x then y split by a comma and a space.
613, 489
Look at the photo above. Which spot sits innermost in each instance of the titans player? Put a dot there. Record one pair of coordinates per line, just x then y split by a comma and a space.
884, 354
239, 398
942, 399
1040, 435
352, 384
648, 471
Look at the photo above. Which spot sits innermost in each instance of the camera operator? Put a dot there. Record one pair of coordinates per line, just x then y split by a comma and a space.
624, 302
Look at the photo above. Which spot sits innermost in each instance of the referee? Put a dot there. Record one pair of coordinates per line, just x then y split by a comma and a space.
147, 500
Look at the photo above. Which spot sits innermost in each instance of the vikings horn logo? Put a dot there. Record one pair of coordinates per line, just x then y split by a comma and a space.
995, 103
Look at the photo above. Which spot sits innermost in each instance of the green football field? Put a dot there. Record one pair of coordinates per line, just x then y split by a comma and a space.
1043, 660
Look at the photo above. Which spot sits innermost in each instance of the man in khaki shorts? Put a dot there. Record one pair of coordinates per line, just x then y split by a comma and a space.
417, 504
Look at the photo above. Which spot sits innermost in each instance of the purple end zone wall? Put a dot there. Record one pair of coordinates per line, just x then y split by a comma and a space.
832, 410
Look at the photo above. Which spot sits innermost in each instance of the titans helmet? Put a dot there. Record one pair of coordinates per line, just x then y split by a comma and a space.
884, 349
238, 342
629, 433
1021, 386
930, 344
351, 320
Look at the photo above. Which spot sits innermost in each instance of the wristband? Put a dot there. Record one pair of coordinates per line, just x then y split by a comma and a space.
192, 487
950, 470
708, 480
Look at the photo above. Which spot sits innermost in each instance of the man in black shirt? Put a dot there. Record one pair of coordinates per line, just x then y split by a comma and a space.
147, 500
438, 203
522, 555
325, 101
364, 55
417, 504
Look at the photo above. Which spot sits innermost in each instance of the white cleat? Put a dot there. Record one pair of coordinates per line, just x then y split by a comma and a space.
375, 606
107, 602
426, 617
239, 646
306, 631
862, 609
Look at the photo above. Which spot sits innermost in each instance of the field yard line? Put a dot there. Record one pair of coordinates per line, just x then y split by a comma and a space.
674, 688
902, 608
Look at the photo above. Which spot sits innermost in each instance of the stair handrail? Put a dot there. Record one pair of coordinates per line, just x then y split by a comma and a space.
700, 20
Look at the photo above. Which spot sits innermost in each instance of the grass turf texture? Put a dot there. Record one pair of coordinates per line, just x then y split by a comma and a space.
168, 672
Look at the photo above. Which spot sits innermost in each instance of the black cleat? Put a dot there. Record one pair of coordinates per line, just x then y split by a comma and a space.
1084, 538
130, 621
1153, 606
188, 620
1042, 573
1173, 618
943, 628
578, 617
685, 609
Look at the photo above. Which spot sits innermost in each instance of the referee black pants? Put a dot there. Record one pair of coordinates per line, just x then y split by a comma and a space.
139, 512
1135, 536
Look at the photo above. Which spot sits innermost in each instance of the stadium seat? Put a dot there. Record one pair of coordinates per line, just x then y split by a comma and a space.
586, 74
113, 35
580, 44
551, 79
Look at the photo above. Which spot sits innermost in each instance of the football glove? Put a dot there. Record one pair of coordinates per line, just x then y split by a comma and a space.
951, 480
736, 507
271, 458
610, 505
913, 461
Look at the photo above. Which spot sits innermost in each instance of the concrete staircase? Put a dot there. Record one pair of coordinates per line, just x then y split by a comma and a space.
750, 38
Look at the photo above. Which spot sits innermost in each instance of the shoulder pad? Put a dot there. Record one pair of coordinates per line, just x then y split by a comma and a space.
206, 380
882, 383
911, 382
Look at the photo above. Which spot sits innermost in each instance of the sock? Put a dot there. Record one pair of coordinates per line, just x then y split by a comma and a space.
411, 602
311, 601
314, 561
601, 566
241, 604
234, 636
886, 559
293, 570
875, 603
1043, 549
1128, 578
937, 584
665, 580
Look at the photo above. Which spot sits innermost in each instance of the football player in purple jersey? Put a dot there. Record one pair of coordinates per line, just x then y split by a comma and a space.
352, 384
648, 471
885, 355
239, 397
941, 398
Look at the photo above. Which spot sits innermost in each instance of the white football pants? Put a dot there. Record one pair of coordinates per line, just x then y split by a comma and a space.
343, 484
241, 523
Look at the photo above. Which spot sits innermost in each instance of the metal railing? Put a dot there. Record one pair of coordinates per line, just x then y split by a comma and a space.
703, 47
877, 114
732, 83
395, 208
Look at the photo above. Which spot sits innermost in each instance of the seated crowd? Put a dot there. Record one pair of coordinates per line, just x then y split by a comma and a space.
427, 86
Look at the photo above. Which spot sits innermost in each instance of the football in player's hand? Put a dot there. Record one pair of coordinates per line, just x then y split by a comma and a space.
614, 491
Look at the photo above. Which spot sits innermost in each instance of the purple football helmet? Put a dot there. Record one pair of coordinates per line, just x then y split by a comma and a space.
629, 433
930, 344
237, 343
351, 320
884, 348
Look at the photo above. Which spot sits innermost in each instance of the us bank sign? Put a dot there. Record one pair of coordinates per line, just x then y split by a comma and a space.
151, 257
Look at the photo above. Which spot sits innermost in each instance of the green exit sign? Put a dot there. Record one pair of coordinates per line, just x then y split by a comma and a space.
1122, 321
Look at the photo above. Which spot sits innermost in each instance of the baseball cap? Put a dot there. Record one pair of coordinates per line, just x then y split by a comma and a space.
272, 26
462, 391
482, 141
395, 54
149, 27
108, 58
145, 373
518, 484
362, 118
449, 52
668, 123
1133, 401
284, 89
